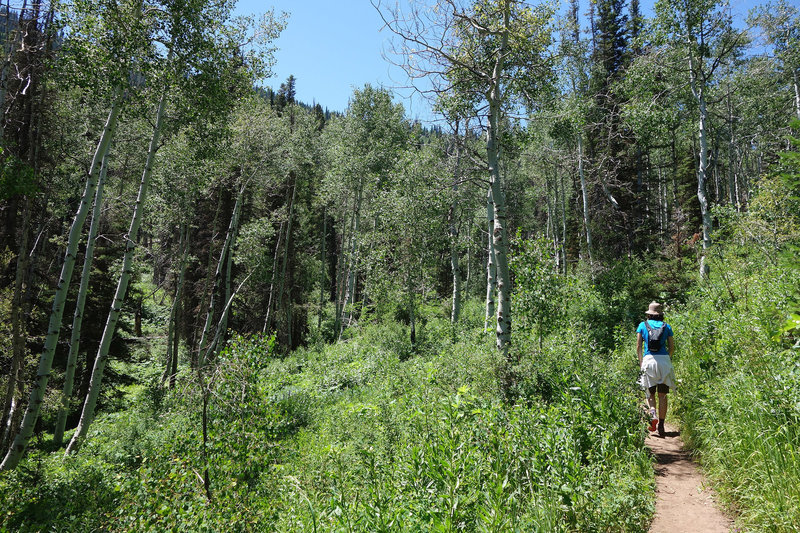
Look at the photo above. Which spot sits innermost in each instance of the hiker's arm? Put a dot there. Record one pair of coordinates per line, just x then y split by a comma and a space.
639, 347
670, 346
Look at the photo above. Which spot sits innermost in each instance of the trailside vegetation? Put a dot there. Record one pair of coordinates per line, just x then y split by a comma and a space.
296, 319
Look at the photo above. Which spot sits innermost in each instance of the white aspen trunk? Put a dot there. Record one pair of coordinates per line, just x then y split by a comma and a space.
698, 90
226, 250
469, 258
272, 281
17, 449
223, 319
731, 151
737, 192
234, 232
585, 197
87, 414
556, 229
77, 319
171, 364
322, 261
453, 229
796, 93
490, 264
500, 233
353, 261
563, 197
285, 263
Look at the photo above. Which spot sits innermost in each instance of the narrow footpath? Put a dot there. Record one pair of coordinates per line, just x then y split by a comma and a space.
684, 502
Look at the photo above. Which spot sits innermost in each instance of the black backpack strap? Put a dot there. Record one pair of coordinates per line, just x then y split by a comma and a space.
649, 328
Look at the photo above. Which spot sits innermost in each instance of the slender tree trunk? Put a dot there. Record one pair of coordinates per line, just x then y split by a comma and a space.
339, 286
563, 198
731, 152
173, 332
87, 414
271, 297
491, 263
469, 258
14, 454
234, 232
77, 319
227, 247
498, 197
796, 86
13, 393
698, 90
453, 230
585, 197
322, 262
353, 260
285, 262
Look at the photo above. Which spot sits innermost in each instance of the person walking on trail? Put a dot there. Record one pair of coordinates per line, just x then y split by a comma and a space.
655, 346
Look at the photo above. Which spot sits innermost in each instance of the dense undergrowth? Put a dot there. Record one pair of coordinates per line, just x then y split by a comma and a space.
739, 363
375, 433
354, 437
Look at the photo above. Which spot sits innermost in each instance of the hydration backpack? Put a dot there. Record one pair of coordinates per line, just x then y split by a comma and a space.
654, 337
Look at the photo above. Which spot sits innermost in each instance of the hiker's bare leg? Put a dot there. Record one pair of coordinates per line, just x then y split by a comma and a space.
662, 405
651, 401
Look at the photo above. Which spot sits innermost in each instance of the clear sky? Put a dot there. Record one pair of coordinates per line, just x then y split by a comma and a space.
332, 47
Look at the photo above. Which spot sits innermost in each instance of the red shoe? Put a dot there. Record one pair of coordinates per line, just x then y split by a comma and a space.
653, 424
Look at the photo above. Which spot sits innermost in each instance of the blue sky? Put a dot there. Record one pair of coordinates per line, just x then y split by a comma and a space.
334, 47
331, 48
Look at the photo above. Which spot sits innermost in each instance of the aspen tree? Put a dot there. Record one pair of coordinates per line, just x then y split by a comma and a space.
490, 52
131, 240
77, 320
704, 35
189, 45
14, 454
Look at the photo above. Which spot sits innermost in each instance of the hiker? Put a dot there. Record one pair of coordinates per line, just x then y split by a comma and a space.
655, 346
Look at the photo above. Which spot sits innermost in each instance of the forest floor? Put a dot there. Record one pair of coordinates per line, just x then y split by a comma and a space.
684, 501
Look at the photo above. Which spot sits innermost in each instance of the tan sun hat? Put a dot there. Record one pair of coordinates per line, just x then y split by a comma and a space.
654, 309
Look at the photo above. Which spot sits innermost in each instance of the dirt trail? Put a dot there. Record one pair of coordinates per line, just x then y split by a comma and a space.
684, 504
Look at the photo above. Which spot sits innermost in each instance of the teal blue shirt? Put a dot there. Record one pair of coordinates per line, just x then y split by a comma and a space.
655, 324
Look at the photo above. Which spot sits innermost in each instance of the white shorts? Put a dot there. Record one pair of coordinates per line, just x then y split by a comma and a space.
657, 369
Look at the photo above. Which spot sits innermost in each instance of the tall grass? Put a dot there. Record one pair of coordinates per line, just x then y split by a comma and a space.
739, 400
363, 435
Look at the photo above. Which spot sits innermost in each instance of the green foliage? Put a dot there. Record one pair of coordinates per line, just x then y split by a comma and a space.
350, 437
16, 177
739, 398
538, 287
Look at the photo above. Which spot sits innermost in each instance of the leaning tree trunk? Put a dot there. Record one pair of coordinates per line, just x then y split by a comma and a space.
87, 414
14, 454
77, 319
237, 210
268, 317
226, 249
